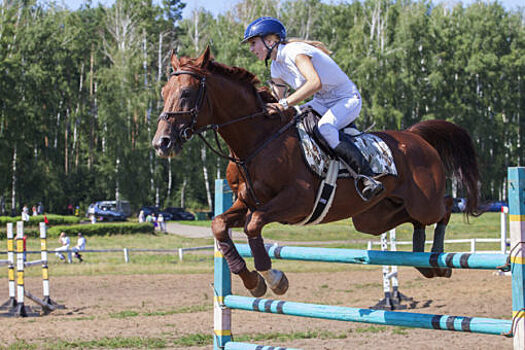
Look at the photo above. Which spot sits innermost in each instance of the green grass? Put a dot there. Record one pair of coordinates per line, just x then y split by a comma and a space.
182, 310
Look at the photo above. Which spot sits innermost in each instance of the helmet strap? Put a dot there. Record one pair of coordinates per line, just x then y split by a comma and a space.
270, 50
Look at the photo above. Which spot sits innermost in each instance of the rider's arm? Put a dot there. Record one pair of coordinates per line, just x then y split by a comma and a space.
312, 84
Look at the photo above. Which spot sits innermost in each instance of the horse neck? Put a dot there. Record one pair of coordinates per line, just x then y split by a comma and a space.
234, 102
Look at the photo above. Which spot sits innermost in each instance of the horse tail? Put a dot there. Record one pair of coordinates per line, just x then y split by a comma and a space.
456, 149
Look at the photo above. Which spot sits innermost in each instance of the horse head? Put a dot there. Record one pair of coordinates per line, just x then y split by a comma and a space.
184, 108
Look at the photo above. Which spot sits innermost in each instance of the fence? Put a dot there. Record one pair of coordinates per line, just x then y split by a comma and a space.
225, 301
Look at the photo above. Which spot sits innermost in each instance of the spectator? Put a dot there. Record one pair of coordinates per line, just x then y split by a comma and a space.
149, 218
25, 213
141, 216
33, 209
162, 223
64, 241
40, 208
24, 240
81, 245
154, 221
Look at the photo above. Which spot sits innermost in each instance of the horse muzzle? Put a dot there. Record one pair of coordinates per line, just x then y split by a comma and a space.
165, 146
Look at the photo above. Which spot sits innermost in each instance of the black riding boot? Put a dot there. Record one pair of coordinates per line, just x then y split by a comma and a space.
350, 154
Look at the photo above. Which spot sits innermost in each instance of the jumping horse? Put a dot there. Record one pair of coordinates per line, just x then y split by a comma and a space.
272, 183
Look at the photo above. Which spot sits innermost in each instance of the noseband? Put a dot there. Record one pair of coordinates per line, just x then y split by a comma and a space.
186, 133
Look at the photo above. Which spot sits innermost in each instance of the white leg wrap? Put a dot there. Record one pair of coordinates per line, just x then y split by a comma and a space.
272, 277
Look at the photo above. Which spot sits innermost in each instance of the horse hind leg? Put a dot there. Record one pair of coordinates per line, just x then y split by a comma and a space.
437, 245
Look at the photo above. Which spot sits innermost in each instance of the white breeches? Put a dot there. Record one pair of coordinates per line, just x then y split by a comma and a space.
336, 117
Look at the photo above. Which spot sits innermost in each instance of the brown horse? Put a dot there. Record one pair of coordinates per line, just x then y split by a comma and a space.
272, 182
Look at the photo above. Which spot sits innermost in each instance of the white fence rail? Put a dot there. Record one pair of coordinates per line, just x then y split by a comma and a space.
503, 240
126, 252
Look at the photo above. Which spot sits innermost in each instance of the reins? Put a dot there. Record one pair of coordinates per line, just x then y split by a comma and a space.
187, 133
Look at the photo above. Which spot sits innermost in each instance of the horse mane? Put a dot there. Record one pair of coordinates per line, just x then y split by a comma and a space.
236, 73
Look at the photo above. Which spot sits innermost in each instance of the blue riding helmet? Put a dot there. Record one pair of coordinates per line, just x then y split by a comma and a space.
264, 26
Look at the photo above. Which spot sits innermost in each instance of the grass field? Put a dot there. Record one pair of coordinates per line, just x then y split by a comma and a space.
339, 234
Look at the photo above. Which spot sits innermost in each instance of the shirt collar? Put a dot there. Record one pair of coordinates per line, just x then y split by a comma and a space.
280, 56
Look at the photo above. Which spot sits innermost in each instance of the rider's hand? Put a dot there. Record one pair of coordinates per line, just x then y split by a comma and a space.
274, 107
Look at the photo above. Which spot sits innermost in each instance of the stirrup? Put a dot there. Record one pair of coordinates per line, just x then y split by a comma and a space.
358, 190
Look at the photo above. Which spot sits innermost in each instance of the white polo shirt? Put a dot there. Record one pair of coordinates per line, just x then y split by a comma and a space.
335, 83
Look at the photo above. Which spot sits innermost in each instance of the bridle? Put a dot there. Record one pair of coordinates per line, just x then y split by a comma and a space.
186, 133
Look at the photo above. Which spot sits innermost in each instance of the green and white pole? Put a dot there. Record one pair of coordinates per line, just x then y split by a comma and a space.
516, 178
222, 277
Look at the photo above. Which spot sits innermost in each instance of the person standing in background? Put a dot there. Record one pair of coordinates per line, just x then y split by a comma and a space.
25, 213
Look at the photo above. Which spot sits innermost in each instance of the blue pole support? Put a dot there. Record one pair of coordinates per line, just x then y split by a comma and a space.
222, 277
374, 257
516, 186
391, 318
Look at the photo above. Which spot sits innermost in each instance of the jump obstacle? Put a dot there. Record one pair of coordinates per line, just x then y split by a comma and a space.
393, 297
16, 303
225, 301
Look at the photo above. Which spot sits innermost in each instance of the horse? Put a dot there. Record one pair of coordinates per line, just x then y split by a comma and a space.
272, 183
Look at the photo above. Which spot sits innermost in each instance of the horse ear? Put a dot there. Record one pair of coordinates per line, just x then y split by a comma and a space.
203, 59
175, 63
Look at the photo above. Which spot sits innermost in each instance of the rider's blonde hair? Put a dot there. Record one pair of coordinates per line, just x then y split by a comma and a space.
318, 44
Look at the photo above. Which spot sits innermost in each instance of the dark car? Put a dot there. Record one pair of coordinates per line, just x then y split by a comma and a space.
180, 213
148, 210
493, 206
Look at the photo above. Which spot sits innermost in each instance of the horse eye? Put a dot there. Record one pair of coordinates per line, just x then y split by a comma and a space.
185, 93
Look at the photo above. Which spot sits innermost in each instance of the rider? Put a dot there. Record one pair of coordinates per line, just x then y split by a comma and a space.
307, 67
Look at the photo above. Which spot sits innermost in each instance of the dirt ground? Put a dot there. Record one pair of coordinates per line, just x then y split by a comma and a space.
92, 303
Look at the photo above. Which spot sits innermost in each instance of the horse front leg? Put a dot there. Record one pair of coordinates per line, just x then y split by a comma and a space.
280, 208
221, 224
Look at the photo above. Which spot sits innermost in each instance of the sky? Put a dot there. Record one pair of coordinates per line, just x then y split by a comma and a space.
221, 6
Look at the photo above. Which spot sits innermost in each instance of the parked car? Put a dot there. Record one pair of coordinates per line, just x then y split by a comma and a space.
109, 210
180, 213
494, 206
151, 209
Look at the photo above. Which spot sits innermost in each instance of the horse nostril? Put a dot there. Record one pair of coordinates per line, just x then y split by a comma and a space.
165, 143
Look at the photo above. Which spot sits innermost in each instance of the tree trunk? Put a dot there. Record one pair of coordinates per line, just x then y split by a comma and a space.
205, 174
183, 193
13, 182
117, 190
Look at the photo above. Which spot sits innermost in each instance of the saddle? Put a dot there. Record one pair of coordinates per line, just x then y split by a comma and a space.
324, 162
318, 155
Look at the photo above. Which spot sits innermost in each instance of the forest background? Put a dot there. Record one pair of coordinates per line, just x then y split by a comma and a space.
80, 89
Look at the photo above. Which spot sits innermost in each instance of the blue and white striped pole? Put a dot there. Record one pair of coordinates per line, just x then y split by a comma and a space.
516, 178
222, 277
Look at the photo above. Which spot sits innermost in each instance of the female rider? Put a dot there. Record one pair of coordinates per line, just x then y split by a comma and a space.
307, 67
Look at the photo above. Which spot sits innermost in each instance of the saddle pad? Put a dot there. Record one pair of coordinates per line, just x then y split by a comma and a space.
374, 149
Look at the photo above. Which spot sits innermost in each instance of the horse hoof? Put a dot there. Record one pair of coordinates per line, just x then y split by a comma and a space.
260, 289
443, 273
427, 272
282, 286
436, 272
